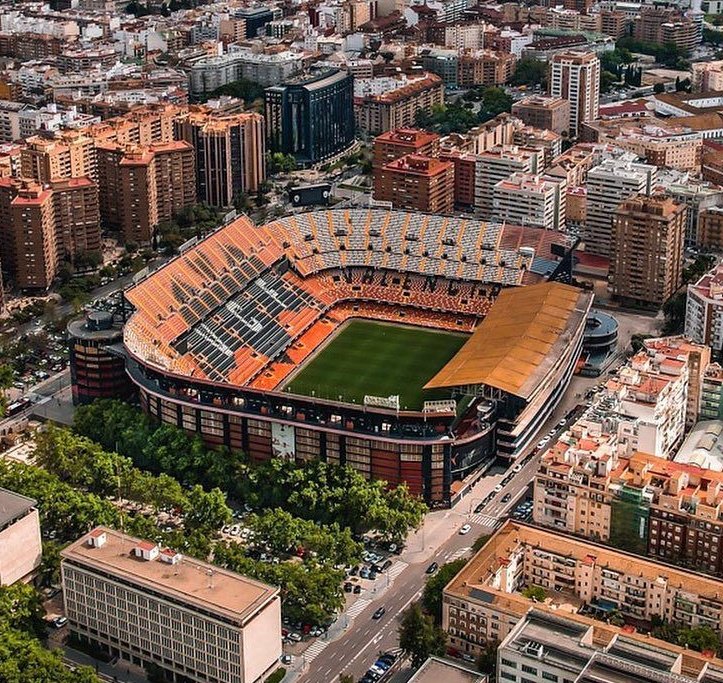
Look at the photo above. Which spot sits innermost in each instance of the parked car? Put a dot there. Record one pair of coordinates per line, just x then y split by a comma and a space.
286, 659
59, 622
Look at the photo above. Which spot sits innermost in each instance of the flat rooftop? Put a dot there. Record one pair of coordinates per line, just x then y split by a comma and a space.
190, 581
435, 670
13, 506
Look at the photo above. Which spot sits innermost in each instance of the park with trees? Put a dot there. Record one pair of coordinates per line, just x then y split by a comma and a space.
116, 468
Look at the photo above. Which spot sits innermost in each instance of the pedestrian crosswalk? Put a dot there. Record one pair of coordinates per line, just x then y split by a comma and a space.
357, 608
461, 552
483, 520
396, 569
314, 650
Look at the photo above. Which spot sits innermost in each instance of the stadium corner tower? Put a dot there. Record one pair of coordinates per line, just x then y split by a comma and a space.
279, 340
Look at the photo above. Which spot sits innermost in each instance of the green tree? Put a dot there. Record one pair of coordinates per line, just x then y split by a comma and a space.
49, 570
418, 636
674, 311
494, 101
432, 594
21, 608
7, 376
481, 542
530, 71
534, 593
206, 510
277, 162
487, 660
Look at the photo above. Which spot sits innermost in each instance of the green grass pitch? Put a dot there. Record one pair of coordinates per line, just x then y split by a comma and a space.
379, 359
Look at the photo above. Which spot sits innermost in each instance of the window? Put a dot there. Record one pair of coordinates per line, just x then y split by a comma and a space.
508, 662
529, 669
508, 676
549, 677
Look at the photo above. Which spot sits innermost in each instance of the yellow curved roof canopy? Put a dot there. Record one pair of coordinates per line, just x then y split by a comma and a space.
513, 348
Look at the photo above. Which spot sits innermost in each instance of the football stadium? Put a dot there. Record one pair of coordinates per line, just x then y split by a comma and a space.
415, 348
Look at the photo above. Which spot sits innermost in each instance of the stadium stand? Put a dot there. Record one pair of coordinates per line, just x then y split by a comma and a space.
248, 303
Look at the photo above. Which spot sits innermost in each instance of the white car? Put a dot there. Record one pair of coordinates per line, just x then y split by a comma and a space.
464, 529
498, 488
517, 468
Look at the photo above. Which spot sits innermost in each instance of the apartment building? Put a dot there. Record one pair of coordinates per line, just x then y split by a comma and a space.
530, 200
144, 185
711, 400
19, 538
397, 143
665, 25
545, 647
666, 145
416, 183
70, 156
484, 602
704, 310
575, 77
268, 69
710, 228
707, 76
382, 104
646, 264
45, 224
608, 184
498, 164
77, 217
483, 67
230, 153
151, 605
465, 172
548, 113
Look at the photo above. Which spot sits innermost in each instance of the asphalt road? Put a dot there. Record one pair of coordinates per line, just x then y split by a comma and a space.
354, 643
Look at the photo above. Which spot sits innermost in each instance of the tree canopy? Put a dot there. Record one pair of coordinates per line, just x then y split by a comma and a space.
22, 656
432, 595
530, 71
419, 637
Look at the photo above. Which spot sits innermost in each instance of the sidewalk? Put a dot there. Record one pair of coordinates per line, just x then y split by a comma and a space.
121, 671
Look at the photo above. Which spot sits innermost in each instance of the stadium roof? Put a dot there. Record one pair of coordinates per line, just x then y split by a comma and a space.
509, 348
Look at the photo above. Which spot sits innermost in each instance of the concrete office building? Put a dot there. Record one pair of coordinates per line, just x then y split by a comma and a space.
548, 113
150, 605
19, 538
646, 264
311, 117
608, 184
548, 647
575, 77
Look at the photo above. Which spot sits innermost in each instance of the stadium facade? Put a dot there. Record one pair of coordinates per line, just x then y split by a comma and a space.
218, 332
